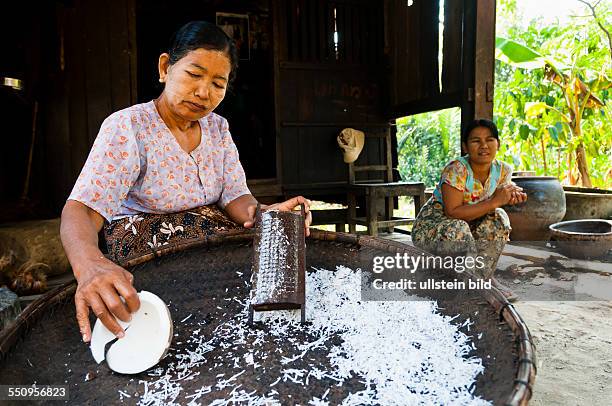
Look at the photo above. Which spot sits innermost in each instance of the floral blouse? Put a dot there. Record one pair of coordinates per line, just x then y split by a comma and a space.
458, 174
136, 165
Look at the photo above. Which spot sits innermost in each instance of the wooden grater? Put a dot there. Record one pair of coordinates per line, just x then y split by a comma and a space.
279, 278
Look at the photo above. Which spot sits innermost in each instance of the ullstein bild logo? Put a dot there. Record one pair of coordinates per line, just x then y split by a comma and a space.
431, 284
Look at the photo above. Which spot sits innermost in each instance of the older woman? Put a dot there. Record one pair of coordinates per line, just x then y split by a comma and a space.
465, 212
158, 172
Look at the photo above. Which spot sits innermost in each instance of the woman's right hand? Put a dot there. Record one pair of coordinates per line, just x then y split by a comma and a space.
101, 286
101, 283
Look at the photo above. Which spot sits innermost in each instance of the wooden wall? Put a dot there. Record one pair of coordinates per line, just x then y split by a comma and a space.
248, 104
417, 48
467, 53
93, 76
79, 61
324, 86
83, 71
21, 58
385, 64
76, 59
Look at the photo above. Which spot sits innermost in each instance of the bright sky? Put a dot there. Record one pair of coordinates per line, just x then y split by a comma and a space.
550, 10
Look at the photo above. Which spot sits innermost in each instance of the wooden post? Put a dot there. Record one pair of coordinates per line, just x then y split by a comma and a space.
371, 213
484, 66
389, 200
467, 63
419, 202
276, 59
352, 211
132, 50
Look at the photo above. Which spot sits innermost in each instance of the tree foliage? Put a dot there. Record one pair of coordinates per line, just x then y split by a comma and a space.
426, 142
552, 97
528, 107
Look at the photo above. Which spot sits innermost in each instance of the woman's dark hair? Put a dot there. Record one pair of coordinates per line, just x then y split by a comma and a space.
202, 34
480, 123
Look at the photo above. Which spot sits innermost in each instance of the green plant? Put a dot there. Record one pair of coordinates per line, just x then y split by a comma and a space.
426, 142
533, 137
578, 97
553, 116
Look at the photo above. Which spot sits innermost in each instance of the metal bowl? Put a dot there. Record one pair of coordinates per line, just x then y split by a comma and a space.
583, 239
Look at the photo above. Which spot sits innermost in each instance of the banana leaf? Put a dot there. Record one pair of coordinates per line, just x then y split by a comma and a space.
515, 54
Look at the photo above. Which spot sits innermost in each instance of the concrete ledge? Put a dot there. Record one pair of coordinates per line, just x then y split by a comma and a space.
10, 306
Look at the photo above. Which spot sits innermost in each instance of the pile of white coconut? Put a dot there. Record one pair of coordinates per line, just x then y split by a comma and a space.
404, 352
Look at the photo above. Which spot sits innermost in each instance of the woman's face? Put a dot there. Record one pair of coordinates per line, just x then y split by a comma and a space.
481, 145
195, 85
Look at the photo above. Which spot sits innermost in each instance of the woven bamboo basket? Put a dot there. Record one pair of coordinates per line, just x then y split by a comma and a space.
43, 345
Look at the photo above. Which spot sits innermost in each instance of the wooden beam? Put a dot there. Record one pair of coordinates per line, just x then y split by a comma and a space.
439, 102
484, 68
371, 168
266, 191
329, 216
396, 221
276, 59
468, 62
344, 124
133, 51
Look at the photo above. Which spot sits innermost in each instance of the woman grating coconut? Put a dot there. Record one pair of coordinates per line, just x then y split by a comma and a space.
465, 212
158, 172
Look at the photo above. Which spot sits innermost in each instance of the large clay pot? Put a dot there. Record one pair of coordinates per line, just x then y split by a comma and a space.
587, 203
523, 173
545, 205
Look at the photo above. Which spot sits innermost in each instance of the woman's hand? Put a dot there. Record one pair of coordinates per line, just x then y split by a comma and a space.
502, 195
100, 281
518, 196
101, 286
508, 194
287, 205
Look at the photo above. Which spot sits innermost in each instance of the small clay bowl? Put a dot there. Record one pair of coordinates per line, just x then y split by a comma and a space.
583, 239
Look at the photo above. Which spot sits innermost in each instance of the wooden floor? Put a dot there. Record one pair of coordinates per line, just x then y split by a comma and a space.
533, 255
399, 237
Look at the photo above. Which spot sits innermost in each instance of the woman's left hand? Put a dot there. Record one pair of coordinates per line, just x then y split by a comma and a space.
287, 205
518, 196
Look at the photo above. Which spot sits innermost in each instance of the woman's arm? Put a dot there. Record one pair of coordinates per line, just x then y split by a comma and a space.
454, 207
242, 209
100, 281
236, 200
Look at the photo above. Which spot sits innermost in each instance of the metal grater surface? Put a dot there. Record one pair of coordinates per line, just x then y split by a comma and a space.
278, 261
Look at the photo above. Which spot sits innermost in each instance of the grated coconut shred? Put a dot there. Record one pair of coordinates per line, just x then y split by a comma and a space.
404, 352
274, 254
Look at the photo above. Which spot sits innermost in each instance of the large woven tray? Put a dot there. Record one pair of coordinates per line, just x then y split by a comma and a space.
194, 279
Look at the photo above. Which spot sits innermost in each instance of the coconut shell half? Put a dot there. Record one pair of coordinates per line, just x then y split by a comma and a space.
147, 338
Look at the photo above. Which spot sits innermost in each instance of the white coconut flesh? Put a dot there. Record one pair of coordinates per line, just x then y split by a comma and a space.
147, 338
